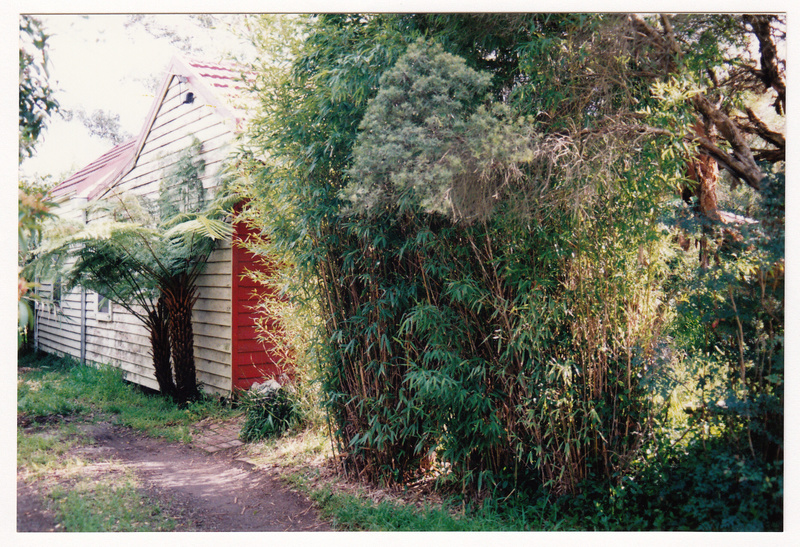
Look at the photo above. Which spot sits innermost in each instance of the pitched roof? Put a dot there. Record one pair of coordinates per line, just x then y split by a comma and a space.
222, 85
99, 171
229, 82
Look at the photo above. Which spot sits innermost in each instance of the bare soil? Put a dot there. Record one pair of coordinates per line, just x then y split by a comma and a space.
203, 492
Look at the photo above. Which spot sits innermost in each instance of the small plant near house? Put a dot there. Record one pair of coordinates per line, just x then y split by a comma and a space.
268, 413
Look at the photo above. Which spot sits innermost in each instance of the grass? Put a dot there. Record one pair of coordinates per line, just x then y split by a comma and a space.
301, 457
300, 449
40, 453
358, 511
108, 505
53, 389
56, 396
348, 511
109, 502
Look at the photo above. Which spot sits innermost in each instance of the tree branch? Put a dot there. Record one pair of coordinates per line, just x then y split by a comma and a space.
644, 28
743, 170
762, 130
666, 45
741, 162
669, 36
770, 72
731, 163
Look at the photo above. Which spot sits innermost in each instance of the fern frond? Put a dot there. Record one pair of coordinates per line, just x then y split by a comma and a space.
201, 226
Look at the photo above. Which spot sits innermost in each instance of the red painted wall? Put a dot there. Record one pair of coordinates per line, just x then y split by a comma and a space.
252, 361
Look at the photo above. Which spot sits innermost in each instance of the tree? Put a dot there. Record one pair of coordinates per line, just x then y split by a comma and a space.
111, 259
539, 331
36, 101
33, 212
99, 123
148, 262
36, 105
400, 370
426, 140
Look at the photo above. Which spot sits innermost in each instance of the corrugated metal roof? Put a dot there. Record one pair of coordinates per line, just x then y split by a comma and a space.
97, 172
229, 82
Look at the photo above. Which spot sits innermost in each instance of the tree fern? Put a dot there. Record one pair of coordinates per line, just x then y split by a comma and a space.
147, 259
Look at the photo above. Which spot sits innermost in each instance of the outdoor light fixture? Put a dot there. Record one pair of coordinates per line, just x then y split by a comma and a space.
189, 98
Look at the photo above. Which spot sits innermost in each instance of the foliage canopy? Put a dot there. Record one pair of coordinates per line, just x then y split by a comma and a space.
36, 100
509, 229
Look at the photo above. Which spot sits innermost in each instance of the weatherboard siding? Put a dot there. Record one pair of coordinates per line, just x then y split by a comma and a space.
217, 320
251, 360
58, 325
211, 323
121, 341
169, 136
172, 131
59, 330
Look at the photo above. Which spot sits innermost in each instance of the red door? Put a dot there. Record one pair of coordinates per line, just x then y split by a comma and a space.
252, 360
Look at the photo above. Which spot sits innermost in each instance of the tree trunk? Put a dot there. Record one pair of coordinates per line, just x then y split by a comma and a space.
179, 299
159, 341
704, 170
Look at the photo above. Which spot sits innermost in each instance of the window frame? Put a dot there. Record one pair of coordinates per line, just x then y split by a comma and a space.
57, 291
103, 313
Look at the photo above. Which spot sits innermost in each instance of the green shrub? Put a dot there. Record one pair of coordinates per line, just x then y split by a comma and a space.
709, 488
461, 313
268, 414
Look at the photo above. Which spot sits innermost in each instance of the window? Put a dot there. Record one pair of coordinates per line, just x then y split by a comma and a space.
103, 308
57, 290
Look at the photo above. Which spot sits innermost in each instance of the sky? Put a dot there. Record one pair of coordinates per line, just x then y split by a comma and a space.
112, 63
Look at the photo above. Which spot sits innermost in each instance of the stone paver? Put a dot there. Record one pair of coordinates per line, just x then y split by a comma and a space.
215, 436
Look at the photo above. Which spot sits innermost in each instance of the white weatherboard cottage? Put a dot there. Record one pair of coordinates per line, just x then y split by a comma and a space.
196, 100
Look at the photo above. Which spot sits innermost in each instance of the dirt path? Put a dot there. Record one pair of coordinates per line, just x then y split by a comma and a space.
203, 492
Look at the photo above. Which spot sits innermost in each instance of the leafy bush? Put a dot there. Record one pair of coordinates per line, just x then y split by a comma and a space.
484, 326
268, 414
709, 488
720, 490
494, 266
